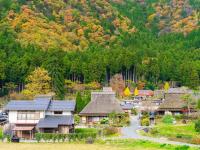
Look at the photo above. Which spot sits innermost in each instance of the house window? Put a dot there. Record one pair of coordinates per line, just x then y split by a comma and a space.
58, 112
28, 115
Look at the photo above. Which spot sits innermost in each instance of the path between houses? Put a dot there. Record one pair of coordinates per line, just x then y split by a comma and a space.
131, 132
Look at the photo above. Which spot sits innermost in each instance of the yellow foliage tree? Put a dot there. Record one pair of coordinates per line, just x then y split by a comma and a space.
136, 92
166, 86
39, 82
127, 92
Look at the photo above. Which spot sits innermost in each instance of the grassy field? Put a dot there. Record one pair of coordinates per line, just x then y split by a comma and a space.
108, 145
179, 132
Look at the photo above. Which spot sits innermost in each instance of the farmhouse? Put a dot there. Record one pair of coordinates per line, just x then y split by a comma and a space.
40, 115
101, 105
174, 102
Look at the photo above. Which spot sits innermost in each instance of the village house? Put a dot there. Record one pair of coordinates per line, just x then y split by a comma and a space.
144, 95
127, 107
40, 115
173, 102
101, 105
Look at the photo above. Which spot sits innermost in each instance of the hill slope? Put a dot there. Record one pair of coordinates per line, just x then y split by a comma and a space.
75, 24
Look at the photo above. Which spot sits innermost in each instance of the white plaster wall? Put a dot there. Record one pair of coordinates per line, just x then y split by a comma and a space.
12, 116
42, 114
66, 113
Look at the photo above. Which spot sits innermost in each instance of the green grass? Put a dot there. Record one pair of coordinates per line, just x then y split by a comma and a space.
99, 145
179, 132
170, 130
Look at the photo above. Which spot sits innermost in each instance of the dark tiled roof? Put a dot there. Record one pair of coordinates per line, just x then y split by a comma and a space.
27, 105
56, 105
55, 121
41, 104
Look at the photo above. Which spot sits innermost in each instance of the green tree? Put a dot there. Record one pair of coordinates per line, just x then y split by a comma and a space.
79, 102
54, 66
188, 99
194, 80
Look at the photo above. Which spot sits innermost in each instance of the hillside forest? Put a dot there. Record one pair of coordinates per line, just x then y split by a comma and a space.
90, 41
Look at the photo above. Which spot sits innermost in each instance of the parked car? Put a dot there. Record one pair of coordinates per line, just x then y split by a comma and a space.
3, 117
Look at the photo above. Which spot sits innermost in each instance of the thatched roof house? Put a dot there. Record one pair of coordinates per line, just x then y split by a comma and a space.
174, 101
101, 105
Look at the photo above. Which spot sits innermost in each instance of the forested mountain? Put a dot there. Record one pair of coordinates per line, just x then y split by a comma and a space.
91, 40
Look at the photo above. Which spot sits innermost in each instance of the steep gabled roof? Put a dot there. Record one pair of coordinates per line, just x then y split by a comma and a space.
173, 102
102, 104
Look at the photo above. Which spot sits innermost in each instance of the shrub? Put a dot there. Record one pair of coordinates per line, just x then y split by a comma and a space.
145, 114
197, 126
104, 121
154, 131
77, 119
196, 140
38, 137
1, 134
71, 137
8, 138
184, 136
134, 111
145, 122
178, 117
110, 131
86, 130
184, 147
168, 119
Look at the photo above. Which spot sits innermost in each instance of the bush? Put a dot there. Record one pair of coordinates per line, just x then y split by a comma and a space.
1, 134
168, 119
110, 131
8, 138
154, 131
38, 137
178, 117
86, 130
104, 121
184, 136
145, 114
145, 122
71, 136
196, 140
197, 126
77, 119
184, 147
134, 111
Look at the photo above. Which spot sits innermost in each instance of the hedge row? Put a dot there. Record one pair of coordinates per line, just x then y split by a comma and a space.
63, 137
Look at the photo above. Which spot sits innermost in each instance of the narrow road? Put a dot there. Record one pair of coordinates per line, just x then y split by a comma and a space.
131, 132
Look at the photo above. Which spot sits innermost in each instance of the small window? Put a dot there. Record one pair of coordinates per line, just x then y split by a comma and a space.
58, 112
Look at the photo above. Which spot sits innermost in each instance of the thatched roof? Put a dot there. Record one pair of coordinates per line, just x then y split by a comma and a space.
102, 104
173, 102
148, 105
